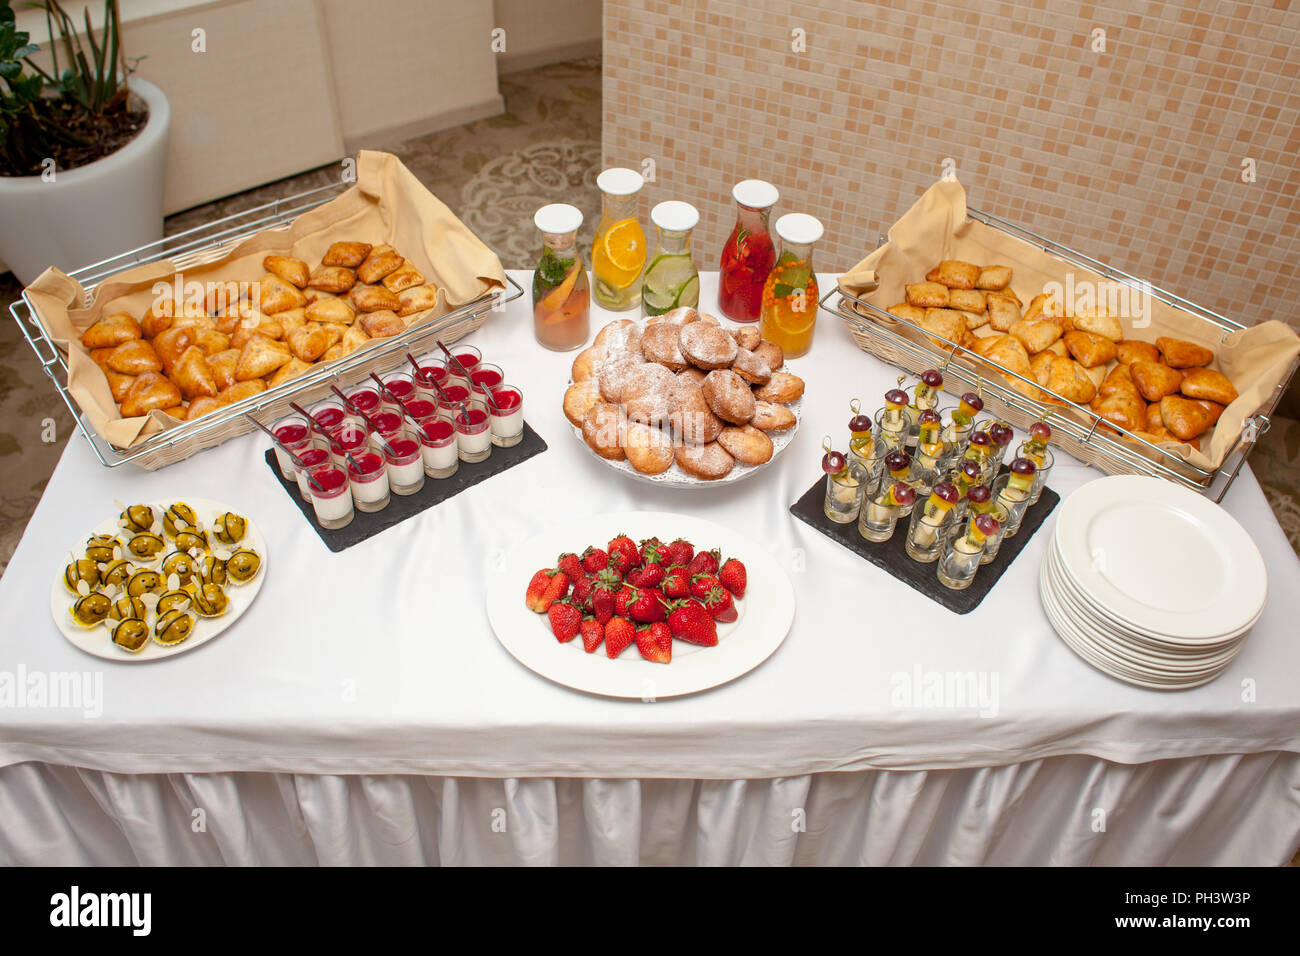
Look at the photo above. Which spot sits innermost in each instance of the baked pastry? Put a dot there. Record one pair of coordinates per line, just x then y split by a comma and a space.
1185, 418
1098, 323
193, 375
291, 270
587, 364
111, 331
349, 254
333, 279
372, 298
419, 298
692, 375
381, 261
747, 444
1129, 350
729, 396
405, 277
276, 295
994, 278
1127, 410
1118, 380
223, 368
690, 416
289, 370
1035, 334
260, 357
677, 317
1180, 354
382, 324
967, 300
1204, 383
1068, 379
647, 392
648, 450
119, 384
200, 407
1002, 312
927, 295
771, 353
772, 417
751, 368
602, 430
240, 391
621, 335
908, 312
954, 274
134, 358
150, 392
308, 343
264, 325
614, 374
708, 462
578, 400
782, 387
746, 336
331, 309
706, 346
212, 341
1153, 380
659, 343
1089, 349
1044, 305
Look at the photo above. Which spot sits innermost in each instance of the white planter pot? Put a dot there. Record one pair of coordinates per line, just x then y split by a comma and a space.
93, 212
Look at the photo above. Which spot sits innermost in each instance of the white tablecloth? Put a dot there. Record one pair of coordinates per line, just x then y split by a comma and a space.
379, 660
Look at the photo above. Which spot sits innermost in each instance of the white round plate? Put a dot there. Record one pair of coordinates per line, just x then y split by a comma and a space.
675, 477
765, 613
98, 640
1161, 557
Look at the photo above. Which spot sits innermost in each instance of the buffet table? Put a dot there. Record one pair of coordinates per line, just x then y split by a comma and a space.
363, 712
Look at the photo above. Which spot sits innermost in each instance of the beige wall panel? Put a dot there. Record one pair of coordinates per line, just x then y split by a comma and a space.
546, 31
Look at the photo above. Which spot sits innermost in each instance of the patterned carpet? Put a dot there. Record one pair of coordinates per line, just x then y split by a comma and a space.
493, 173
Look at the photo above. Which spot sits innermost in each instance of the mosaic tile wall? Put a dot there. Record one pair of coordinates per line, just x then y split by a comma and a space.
1133, 154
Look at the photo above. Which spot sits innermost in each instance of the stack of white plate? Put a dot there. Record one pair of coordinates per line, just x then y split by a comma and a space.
1151, 583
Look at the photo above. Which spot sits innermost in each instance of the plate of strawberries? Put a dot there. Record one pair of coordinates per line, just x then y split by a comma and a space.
640, 605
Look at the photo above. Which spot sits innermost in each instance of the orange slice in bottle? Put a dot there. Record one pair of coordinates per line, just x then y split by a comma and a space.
555, 298
621, 254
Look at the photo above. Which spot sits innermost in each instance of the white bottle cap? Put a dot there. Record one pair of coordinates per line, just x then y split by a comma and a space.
799, 228
675, 216
755, 194
619, 181
558, 218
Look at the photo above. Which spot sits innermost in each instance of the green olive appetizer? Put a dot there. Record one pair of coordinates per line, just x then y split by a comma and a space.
127, 607
91, 609
180, 564
209, 600
177, 518
243, 565
211, 570
177, 600
116, 572
136, 518
131, 634
229, 528
172, 627
100, 547
144, 581
146, 545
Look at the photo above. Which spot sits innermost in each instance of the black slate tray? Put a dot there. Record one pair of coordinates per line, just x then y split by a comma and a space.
891, 556
401, 507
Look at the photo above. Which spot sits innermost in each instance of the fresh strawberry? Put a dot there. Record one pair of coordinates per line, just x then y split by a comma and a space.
602, 603
655, 642
594, 559
649, 546
570, 565
547, 586
583, 585
648, 606
623, 553
623, 599
619, 633
702, 584
650, 575
565, 620
593, 632
719, 604
677, 583
733, 576
704, 562
680, 552
690, 622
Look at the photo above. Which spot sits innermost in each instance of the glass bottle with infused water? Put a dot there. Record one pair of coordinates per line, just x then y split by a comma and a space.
671, 279
619, 254
748, 255
790, 293
561, 294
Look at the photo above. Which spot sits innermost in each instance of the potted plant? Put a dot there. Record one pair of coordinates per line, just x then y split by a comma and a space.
82, 147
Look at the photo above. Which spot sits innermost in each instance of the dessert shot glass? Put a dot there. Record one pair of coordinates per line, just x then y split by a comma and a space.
482, 377
399, 388
457, 398
468, 357
880, 514
389, 425
329, 412
438, 448
473, 435
433, 371
405, 465
316, 454
365, 398
1043, 461
507, 416
930, 523
844, 493
993, 542
331, 496
368, 479
1011, 497
293, 433
352, 439
959, 557
418, 411
892, 426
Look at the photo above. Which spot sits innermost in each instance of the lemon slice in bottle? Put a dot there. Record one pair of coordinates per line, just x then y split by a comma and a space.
621, 254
